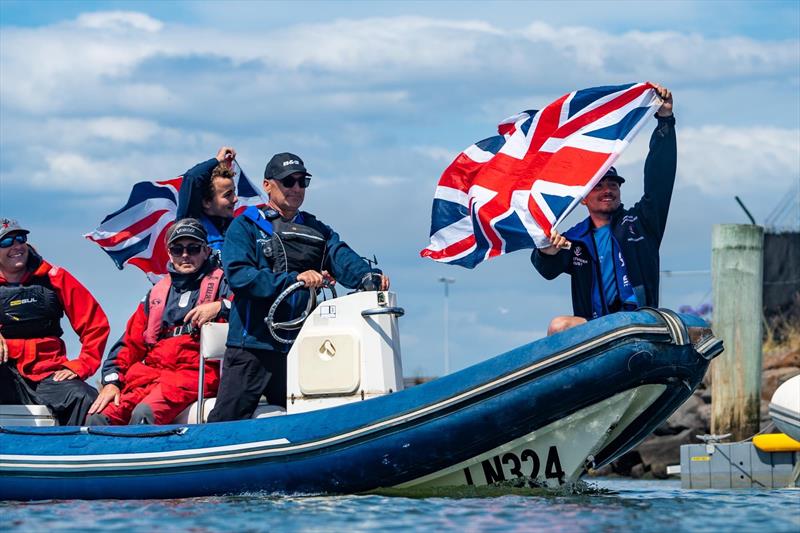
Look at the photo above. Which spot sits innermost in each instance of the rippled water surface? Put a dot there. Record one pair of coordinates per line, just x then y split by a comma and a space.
614, 505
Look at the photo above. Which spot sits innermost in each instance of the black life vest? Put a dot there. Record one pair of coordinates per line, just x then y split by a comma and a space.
30, 311
289, 246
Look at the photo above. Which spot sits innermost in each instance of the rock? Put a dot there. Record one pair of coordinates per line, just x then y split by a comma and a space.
603, 471
659, 470
774, 378
624, 465
637, 471
688, 416
704, 412
665, 450
782, 359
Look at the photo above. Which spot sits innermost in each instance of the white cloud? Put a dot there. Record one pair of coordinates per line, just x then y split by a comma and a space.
386, 181
75, 171
437, 153
356, 63
723, 160
119, 20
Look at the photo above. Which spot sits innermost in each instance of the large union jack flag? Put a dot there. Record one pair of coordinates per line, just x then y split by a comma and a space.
507, 192
136, 233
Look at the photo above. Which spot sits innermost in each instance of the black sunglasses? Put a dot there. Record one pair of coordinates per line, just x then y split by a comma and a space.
289, 182
192, 249
7, 242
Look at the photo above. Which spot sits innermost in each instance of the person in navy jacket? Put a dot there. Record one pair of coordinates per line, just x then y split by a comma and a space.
266, 251
208, 193
613, 255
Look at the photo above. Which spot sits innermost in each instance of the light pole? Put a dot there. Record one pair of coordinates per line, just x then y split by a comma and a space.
447, 282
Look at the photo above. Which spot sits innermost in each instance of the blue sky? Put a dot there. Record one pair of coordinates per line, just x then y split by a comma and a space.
378, 97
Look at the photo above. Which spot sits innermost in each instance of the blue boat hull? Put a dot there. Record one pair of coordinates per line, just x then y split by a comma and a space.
383, 442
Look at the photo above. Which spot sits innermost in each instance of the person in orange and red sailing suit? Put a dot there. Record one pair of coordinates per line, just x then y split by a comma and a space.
34, 296
152, 374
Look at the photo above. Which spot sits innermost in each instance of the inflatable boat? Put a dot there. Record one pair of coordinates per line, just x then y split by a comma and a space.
784, 408
543, 413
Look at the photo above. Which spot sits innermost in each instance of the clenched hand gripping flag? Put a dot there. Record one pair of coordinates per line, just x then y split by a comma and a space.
135, 234
507, 192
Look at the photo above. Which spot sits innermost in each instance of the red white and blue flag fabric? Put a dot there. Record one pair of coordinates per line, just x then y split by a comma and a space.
507, 192
135, 234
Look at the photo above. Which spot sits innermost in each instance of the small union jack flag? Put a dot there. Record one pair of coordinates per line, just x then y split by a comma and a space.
135, 234
507, 192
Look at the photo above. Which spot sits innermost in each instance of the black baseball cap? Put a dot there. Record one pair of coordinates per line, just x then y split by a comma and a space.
187, 227
612, 175
284, 164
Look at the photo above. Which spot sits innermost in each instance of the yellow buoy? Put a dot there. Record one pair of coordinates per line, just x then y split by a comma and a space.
776, 442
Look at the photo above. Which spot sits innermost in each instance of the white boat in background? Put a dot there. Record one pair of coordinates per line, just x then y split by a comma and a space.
785, 408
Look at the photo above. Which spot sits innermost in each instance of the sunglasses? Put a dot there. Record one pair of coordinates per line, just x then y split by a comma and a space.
289, 182
191, 249
7, 242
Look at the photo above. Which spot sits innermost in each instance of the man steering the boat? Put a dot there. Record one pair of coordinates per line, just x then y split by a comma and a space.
34, 296
266, 251
613, 255
208, 193
152, 375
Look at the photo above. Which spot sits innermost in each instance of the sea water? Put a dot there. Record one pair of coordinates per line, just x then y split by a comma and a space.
607, 505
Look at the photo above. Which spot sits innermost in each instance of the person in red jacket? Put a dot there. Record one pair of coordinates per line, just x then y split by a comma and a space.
34, 295
151, 376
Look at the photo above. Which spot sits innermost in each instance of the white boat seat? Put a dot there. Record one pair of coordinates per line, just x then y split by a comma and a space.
212, 348
26, 415
189, 415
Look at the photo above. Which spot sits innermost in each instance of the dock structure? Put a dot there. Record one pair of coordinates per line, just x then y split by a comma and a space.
736, 272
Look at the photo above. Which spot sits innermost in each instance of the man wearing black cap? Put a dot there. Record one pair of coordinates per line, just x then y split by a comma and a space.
612, 256
152, 374
266, 251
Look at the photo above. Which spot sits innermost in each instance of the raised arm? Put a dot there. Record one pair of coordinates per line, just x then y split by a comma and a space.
659, 169
190, 197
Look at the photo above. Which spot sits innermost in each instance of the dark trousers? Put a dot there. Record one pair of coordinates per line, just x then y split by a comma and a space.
69, 399
246, 375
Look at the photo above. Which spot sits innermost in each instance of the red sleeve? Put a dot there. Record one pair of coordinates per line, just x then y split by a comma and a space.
133, 348
87, 319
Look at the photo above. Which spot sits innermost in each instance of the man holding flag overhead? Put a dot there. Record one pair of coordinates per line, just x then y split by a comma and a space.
510, 191
613, 254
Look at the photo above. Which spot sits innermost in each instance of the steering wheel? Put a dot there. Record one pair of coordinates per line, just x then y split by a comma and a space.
295, 323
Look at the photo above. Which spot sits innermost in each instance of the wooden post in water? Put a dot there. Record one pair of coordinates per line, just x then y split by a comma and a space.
737, 255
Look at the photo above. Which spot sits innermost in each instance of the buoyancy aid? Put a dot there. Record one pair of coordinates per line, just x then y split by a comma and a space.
289, 246
157, 301
215, 238
30, 310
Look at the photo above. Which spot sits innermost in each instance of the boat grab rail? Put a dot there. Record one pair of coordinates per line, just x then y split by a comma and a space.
399, 311
93, 430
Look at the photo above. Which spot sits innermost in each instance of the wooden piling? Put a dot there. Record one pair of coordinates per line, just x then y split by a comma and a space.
737, 254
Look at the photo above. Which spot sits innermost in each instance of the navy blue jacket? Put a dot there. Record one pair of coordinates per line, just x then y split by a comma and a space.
255, 286
636, 232
190, 202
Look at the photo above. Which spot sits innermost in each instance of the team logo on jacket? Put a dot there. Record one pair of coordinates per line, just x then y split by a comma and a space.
577, 260
633, 237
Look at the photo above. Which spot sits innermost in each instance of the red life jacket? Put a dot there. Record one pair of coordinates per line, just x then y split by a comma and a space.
157, 302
